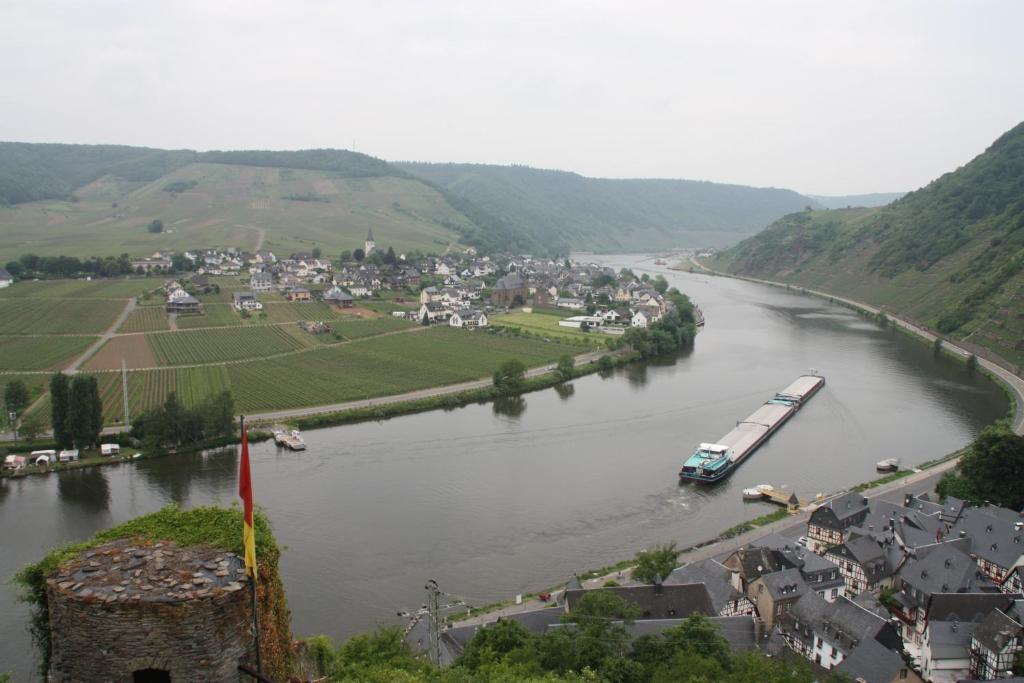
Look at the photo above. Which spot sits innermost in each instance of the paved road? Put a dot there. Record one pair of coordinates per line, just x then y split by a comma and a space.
1015, 383
104, 338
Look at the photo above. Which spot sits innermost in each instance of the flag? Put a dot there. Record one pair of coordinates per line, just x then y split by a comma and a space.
245, 492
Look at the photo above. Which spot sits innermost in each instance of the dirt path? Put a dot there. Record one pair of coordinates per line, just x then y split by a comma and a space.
172, 322
111, 331
1015, 383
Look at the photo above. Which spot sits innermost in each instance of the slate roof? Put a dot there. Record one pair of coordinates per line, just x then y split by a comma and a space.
868, 553
847, 505
716, 577
752, 562
967, 606
872, 662
943, 568
996, 630
842, 622
785, 584
4, 275
950, 639
994, 534
952, 509
676, 601
510, 281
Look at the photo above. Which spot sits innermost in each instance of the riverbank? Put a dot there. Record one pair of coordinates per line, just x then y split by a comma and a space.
321, 417
1011, 383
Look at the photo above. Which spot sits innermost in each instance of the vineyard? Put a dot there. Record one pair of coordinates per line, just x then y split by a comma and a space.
358, 329
290, 312
145, 319
222, 344
80, 289
40, 353
388, 365
58, 316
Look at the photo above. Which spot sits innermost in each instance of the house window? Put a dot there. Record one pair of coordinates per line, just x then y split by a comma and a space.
832, 651
835, 593
903, 674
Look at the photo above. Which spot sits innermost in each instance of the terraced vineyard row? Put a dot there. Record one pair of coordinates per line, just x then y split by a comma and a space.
40, 353
292, 311
145, 319
358, 329
214, 315
223, 344
81, 289
57, 316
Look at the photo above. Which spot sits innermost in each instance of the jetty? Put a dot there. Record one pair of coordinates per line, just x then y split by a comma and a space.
290, 439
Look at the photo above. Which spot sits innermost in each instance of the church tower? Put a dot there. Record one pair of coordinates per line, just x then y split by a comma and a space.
370, 244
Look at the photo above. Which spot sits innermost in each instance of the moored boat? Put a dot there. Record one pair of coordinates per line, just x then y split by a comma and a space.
291, 440
888, 465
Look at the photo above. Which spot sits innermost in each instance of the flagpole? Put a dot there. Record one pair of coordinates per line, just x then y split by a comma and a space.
252, 578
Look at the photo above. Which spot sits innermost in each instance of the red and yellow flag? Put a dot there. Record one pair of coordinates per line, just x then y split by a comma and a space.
245, 492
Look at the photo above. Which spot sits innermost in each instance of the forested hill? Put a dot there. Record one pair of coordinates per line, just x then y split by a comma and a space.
567, 210
950, 255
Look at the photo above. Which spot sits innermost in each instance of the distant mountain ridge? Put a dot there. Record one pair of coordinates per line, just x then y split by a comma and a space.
570, 211
950, 254
854, 200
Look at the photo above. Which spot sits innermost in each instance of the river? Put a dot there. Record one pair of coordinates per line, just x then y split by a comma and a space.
496, 499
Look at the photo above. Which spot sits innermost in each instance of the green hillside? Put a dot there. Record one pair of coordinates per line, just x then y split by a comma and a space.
853, 200
570, 211
216, 203
950, 255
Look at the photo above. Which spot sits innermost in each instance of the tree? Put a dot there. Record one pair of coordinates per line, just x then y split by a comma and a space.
509, 376
390, 257
653, 566
316, 252
359, 255
495, 642
605, 363
31, 426
15, 397
992, 470
345, 257
660, 284
566, 367
95, 408
81, 421
156, 226
15, 268
59, 403
425, 320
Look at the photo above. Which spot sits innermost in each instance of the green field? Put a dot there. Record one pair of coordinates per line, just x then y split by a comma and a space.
36, 384
222, 344
545, 323
40, 353
357, 329
145, 319
120, 288
302, 310
378, 367
58, 316
214, 315
229, 206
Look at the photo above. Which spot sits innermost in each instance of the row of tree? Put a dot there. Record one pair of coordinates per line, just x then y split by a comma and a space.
172, 424
594, 644
53, 267
76, 411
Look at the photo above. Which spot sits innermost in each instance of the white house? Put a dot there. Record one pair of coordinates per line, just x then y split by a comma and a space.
570, 303
468, 319
581, 321
6, 280
110, 449
68, 455
434, 311
246, 301
641, 319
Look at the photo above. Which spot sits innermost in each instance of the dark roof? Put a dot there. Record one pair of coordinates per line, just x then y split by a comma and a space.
847, 505
952, 509
996, 630
950, 639
510, 281
994, 534
943, 568
658, 602
785, 584
752, 562
967, 606
4, 275
872, 662
716, 577
845, 622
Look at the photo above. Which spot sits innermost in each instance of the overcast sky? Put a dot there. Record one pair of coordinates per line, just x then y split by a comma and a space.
822, 97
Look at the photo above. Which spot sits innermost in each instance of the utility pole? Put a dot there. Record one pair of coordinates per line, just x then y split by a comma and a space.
433, 622
124, 390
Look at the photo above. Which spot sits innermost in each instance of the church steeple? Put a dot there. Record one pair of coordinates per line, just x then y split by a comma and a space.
370, 244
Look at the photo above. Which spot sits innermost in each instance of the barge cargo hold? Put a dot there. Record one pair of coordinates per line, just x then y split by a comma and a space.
713, 462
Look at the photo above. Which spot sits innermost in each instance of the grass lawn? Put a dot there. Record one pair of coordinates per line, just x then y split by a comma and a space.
546, 323
58, 316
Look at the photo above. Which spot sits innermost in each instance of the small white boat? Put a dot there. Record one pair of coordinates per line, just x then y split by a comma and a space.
758, 492
888, 465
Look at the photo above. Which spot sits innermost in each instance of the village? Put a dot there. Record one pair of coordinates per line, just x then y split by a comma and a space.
877, 590
459, 290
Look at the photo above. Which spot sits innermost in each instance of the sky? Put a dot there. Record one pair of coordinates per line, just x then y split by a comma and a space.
822, 97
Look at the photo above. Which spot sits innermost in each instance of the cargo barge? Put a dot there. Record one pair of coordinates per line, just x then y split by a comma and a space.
713, 462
